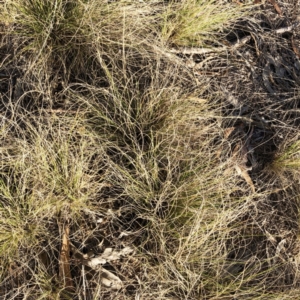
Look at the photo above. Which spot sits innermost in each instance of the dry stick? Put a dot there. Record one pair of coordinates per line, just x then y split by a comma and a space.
239, 43
287, 29
276, 6
203, 51
83, 282
295, 48
64, 259
200, 51
60, 111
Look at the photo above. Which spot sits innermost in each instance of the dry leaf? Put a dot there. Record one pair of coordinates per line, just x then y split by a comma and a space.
197, 100
280, 247
242, 171
228, 131
108, 255
110, 280
238, 2
124, 233
241, 166
270, 237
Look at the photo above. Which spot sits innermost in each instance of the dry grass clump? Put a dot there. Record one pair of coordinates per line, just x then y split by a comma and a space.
46, 177
194, 23
172, 185
63, 33
289, 159
108, 142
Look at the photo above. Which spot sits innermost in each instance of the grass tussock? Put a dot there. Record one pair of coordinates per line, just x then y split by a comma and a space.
110, 142
288, 160
194, 23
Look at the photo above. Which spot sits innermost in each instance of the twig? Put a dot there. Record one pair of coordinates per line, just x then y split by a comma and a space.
287, 29
83, 282
200, 51
60, 111
241, 42
295, 48
276, 6
64, 259
203, 51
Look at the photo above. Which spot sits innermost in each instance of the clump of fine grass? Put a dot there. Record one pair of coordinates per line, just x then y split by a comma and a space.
64, 32
50, 174
285, 166
158, 143
45, 170
139, 145
49, 25
195, 22
18, 219
289, 158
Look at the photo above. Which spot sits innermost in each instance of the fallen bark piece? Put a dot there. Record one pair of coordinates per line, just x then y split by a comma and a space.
64, 260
